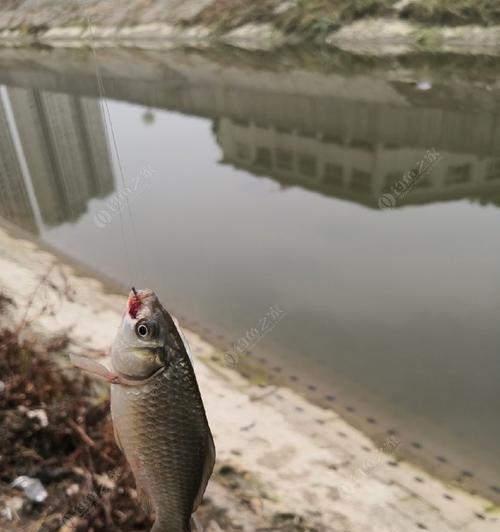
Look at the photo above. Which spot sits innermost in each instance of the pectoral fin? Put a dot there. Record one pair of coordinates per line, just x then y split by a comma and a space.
144, 499
97, 368
117, 438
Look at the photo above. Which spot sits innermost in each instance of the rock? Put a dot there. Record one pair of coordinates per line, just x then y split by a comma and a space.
374, 30
285, 6
255, 37
401, 4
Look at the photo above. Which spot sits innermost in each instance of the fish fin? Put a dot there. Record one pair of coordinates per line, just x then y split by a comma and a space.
208, 467
143, 498
117, 438
97, 368
142, 492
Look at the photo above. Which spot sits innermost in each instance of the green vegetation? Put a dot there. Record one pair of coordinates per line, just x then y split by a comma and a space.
453, 12
315, 18
295, 22
308, 18
312, 19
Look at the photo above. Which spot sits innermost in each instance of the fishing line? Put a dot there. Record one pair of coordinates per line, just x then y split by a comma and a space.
103, 105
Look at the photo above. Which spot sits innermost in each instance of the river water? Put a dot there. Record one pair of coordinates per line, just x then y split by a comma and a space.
236, 185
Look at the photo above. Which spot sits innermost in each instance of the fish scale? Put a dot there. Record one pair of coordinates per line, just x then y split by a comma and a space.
163, 430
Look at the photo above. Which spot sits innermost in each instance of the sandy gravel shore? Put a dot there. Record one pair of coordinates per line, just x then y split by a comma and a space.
298, 466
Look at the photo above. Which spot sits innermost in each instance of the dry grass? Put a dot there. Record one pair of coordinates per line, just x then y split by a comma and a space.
74, 448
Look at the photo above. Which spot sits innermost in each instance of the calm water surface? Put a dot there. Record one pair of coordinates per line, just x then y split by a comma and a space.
233, 189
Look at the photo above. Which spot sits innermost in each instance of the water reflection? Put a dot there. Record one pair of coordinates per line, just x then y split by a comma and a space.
353, 169
382, 319
15, 205
63, 142
69, 157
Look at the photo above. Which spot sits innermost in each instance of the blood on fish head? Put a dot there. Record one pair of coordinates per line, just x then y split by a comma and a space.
141, 302
137, 351
133, 303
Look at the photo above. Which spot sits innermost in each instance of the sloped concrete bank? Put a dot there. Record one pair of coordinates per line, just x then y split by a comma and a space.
298, 459
378, 27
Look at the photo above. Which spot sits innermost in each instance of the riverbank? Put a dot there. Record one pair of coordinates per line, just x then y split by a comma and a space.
282, 461
373, 27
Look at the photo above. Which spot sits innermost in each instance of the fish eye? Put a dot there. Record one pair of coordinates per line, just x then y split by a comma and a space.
144, 330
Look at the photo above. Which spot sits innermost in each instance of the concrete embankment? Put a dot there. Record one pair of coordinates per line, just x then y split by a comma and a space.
375, 27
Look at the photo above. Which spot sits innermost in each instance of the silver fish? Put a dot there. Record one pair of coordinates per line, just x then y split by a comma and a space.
157, 410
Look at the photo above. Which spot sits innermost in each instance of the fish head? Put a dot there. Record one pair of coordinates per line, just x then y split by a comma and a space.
138, 350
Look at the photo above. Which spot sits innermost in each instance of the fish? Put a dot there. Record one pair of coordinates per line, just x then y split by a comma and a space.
158, 415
